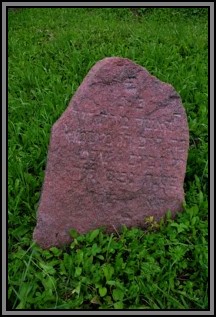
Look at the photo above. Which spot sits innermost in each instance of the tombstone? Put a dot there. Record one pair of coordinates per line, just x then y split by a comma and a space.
117, 154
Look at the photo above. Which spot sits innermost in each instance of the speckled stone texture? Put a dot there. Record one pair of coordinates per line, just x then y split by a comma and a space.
117, 154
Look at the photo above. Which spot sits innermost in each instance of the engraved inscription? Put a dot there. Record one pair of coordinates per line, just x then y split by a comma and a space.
124, 141
134, 159
158, 124
133, 152
130, 86
126, 177
141, 104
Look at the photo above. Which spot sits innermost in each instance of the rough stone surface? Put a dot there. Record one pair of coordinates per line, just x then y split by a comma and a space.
117, 154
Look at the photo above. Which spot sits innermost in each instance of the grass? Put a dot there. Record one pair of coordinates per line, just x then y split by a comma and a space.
50, 51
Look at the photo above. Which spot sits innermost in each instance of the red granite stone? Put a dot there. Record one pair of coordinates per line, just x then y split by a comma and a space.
117, 154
